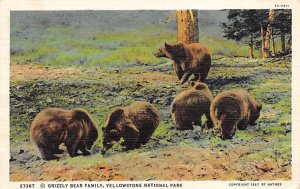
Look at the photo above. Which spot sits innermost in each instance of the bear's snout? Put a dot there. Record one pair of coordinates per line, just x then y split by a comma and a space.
155, 54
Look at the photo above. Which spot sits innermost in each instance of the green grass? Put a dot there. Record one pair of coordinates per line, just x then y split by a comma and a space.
279, 149
221, 46
81, 160
65, 46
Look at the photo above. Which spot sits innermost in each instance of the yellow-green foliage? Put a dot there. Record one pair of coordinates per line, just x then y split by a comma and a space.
221, 46
65, 46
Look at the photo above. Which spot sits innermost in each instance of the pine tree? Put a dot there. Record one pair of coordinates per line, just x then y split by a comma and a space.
283, 26
243, 26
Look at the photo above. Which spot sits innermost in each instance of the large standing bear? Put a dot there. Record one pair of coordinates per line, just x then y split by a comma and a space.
54, 126
193, 58
135, 124
234, 109
188, 106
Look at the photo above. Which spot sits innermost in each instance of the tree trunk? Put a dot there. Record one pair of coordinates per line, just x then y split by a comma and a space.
268, 35
264, 51
251, 55
282, 36
271, 20
289, 44
273, 45
187, 26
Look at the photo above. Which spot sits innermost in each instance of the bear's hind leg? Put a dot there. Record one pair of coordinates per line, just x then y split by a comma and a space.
209, 123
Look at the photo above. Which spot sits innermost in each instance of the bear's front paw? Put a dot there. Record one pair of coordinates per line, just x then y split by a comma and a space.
73, 154
86, 153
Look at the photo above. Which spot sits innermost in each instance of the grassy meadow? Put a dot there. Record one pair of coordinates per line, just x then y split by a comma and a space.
67, 66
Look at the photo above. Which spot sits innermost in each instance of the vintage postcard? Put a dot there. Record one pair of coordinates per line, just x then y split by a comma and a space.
162, 94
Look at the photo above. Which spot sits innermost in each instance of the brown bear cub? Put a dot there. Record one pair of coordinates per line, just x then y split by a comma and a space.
188, 106
135, 124
234, 109
189, 59
54, 126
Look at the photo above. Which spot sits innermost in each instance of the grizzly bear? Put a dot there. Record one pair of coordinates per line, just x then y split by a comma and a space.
188, 106
193, 58
134, 123
54, 126
234, 109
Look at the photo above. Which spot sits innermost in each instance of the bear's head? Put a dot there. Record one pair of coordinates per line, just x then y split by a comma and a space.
162, 53
197, 85
227, 119
228, 128
111, 130
171, 50
257, 112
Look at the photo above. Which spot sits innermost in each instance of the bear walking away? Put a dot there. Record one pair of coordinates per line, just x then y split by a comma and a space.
189, 59
135, 124
54, 126
188, 106
234, 109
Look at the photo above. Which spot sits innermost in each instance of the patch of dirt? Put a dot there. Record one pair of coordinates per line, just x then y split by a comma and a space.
170, 163
29, 72
156, 76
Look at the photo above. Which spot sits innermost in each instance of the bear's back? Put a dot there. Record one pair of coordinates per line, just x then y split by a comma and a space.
192, 96
231, 102
198, 48
50, 122
142, 112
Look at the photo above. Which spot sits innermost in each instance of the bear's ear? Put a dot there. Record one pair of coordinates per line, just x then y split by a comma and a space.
168, 47
259, 107
118, 111
116, 115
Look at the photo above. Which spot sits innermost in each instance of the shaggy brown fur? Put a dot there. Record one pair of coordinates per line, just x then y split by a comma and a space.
189, 59
188, 106
134, 123
54, 126
234, 109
